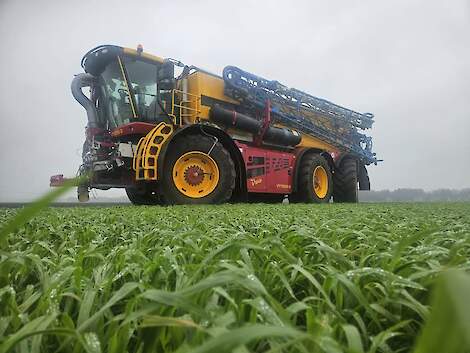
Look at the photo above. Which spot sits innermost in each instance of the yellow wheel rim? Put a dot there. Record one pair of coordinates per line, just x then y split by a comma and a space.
195, 174
320, 181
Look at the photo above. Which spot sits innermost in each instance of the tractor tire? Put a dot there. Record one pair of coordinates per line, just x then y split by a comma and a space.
141, 196
345, 182
192, 176
363, 178
314, 180
265, 198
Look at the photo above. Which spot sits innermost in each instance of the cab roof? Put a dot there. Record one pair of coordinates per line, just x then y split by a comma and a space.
95, 60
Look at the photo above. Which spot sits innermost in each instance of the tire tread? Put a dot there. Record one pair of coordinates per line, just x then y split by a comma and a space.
345, 181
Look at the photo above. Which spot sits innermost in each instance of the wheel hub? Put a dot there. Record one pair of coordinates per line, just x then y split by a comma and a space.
320, 182
194, 175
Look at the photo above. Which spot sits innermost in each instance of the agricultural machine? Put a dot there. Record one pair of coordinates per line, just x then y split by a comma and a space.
169, 133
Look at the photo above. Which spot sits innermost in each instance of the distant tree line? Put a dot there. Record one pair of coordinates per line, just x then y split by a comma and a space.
415, 195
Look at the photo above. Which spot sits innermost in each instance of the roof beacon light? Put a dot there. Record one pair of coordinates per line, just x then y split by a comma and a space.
140, 49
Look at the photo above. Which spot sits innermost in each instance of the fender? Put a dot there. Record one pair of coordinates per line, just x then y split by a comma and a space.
226, 141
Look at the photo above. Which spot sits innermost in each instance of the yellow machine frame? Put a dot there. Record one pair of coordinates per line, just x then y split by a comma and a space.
148, 149
187, 108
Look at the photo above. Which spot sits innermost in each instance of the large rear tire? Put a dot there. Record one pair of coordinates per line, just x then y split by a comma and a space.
197, 170
142, 196
314, 180
345, 182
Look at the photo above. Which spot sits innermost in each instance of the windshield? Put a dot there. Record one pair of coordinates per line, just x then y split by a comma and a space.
129, 92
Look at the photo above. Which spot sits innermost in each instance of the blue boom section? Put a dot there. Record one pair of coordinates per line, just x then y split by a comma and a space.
313, 116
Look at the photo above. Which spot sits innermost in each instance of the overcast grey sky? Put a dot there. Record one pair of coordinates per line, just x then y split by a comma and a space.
406, 61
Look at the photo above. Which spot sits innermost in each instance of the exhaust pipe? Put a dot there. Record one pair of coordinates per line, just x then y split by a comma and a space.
80, 81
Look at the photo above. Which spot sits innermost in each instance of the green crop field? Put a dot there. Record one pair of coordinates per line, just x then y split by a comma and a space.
241, 278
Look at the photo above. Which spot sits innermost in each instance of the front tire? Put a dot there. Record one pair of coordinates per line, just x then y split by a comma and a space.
197, 170
345, 182
142, 196
314, 181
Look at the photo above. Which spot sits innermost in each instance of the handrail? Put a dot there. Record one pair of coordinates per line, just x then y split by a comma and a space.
184, 107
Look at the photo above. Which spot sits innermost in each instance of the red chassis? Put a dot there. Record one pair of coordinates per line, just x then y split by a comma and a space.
268, 171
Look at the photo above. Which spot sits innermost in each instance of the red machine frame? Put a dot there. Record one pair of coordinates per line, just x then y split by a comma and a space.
267, 171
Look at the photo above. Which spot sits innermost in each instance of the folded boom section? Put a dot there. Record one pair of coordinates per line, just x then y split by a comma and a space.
313, 116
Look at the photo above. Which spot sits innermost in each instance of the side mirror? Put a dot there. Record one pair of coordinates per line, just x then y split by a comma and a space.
166, 76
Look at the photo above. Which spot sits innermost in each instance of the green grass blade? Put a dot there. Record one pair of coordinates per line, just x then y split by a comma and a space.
241, 336
31, 210
448, 327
